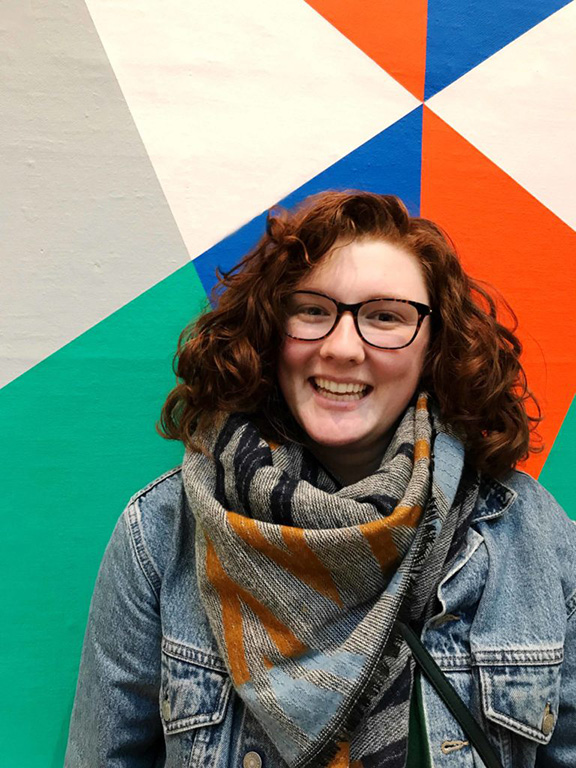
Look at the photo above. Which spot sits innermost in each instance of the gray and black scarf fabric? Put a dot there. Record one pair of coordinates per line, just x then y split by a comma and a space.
302, 580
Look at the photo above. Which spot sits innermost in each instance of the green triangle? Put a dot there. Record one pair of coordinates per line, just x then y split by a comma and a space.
78, 439
557, 475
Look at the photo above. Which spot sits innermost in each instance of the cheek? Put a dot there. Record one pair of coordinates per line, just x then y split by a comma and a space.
290, 361
416, 355
402, 367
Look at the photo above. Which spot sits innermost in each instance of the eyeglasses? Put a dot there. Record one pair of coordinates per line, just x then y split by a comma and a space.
382, 323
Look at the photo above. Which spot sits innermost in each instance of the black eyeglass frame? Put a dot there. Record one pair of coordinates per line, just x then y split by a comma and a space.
423, 311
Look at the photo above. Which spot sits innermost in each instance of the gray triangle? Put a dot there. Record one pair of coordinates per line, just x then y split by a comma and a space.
85, 224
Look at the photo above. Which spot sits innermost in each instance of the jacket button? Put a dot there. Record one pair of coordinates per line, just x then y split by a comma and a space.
548, 721
252, 760
166, 713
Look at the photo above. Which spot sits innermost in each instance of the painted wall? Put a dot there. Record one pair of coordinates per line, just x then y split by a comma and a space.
140, 145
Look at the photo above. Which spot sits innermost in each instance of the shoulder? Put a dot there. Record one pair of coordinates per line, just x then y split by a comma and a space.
154, 515
517, 495
536, 504
519, 499
163, 536
162, 493
527, 526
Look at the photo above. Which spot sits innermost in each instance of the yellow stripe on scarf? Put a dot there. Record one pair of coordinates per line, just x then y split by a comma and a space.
342, 758
301, 560
379, 534
231, 595
421, 450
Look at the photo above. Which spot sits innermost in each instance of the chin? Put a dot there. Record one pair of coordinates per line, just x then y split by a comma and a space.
335, 439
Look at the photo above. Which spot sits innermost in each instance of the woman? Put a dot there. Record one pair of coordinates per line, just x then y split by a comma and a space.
352, 411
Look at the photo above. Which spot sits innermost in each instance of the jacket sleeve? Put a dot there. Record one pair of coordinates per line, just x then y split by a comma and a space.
115, 719
561, 751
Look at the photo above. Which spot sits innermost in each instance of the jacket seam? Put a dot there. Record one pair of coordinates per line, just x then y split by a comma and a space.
141, 551
571, 605
510, 722
147, 488
457, 566
188, 653
453, 663
498, 657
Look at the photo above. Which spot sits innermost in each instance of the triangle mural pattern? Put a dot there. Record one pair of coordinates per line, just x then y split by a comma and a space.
173, 130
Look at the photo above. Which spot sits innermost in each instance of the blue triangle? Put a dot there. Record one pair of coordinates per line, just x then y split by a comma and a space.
389, 163
463, 33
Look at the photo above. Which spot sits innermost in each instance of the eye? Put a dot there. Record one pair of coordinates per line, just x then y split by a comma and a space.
384, 316
312, 311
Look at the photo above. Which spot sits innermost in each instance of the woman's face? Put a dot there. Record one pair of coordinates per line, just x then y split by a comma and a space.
354, 272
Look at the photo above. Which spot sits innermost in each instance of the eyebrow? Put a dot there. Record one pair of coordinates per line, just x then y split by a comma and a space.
370, 298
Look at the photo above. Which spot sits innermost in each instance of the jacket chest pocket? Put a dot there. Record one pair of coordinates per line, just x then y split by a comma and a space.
522, 701
194, 694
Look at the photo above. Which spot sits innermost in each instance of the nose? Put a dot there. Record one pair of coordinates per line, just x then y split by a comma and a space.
344, 343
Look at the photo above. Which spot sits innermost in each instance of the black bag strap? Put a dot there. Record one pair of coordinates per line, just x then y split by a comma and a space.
449, 696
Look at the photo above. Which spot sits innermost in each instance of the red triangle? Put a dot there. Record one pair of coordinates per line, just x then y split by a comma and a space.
508, 238
391, 32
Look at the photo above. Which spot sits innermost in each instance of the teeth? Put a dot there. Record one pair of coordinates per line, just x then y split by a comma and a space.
340, 388
334, 396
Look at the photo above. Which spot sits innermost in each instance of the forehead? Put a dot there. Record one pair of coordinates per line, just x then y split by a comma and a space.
364, 269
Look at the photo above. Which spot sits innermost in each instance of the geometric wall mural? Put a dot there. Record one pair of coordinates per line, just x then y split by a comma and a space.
145, 143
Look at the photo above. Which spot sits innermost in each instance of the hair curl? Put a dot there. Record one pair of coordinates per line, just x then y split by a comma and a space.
226, 359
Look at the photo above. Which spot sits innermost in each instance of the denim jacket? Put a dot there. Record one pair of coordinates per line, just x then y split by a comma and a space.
153, 689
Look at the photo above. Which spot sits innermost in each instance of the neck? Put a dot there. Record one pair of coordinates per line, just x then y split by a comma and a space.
347, 465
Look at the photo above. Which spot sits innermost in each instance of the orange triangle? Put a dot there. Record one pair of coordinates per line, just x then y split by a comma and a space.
391, 32
508, 238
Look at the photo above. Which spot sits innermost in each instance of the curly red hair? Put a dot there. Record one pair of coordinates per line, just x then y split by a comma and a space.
226, 359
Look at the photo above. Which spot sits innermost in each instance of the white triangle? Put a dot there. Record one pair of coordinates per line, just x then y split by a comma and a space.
519, 109
240, 103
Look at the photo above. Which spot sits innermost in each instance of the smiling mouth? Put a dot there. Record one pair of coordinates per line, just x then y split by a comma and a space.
340, 392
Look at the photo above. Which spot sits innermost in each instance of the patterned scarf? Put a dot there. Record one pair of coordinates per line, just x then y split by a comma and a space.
302, 580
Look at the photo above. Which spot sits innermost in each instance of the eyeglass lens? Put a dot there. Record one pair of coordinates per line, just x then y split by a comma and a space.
385, 323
